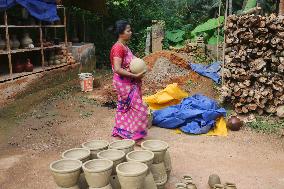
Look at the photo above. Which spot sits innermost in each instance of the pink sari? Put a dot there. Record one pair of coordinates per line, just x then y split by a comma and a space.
131, 118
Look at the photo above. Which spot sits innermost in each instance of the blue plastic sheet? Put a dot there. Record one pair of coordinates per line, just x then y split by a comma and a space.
44, 10
195, 115
211, 71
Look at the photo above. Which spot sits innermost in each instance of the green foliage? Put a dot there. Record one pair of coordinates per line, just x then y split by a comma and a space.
209, 25
267, 125
175, 36
213, 40
250, 4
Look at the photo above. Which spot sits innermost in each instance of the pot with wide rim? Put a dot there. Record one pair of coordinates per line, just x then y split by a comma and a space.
126, 145
117, 156
131, 175
66, 173
81, 154
95, 146
158, 147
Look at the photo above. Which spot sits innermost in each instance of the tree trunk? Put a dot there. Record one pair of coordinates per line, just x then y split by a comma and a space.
230, 7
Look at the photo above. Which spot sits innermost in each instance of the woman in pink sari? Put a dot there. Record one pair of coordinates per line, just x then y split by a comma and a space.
131, 118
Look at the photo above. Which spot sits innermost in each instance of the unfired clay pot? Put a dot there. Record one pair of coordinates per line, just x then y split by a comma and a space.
168, 163
158, 147
126, 145
26, 41
214, 179
97, 172
95, 146
181, 186
159, 174
66, 173
132, 175
117, 156
114, 182
218, 186
230, 186
81, 154
146, 157
14, 43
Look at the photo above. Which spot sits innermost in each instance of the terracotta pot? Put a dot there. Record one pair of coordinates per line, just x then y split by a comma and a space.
18, 67
214, 179
126, 145
234, 123
97, 172
159, 174
95, 146
131, 174
66, 173
81, 154
117, 156
2, 43
158, 147
14, 43
26, 41
29, 67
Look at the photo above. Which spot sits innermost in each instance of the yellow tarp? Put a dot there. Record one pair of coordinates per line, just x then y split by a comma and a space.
169, 96
220, 128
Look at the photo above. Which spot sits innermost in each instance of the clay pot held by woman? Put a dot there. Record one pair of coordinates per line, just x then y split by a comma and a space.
2, 43
126, 145
29, 67
234, 123
95, 146
14, 43
18, 67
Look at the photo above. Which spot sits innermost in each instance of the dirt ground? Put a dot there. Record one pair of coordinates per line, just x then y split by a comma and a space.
30, 142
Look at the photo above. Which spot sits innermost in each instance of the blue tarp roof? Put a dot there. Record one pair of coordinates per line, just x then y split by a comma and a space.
44, 10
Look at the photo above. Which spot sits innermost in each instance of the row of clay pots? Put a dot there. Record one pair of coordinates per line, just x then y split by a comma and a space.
110, 167
28, 67
26, 41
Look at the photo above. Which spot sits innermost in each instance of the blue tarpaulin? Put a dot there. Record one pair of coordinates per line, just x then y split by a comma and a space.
44, 10
196, 115
211, 71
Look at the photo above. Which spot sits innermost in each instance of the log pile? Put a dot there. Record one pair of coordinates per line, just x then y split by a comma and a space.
254, 63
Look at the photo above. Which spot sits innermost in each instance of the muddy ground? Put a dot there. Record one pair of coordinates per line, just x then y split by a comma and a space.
60, 118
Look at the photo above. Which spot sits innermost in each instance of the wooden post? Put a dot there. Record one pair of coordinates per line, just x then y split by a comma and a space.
230, 7
224, 43
8, 43
84, 28
219, 14
65, 28
41, 46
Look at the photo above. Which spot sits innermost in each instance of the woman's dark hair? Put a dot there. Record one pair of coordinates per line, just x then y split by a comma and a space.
120, 27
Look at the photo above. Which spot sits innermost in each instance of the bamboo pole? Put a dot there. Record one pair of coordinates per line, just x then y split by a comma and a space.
8, 43
224, 43
65, 27
219, 14
41, 46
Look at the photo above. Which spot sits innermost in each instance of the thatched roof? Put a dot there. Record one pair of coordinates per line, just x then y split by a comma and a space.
98, 6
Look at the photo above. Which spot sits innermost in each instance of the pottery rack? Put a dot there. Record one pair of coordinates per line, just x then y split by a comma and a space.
10, 52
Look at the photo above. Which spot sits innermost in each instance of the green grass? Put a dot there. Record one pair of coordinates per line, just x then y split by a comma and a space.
267, 124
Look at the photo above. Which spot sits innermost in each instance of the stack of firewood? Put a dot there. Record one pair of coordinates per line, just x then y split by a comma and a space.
254, 63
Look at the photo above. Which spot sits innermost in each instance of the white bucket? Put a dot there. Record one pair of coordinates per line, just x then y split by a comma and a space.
86, 82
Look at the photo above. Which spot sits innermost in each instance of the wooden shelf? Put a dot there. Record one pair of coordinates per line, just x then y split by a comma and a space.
53, 26
54, 46
8, 77
33, 26
28, 50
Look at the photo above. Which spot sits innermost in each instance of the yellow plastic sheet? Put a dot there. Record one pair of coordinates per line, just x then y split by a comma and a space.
220, 128
169, 96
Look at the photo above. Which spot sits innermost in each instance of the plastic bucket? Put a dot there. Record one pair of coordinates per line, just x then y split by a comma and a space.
86, 81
